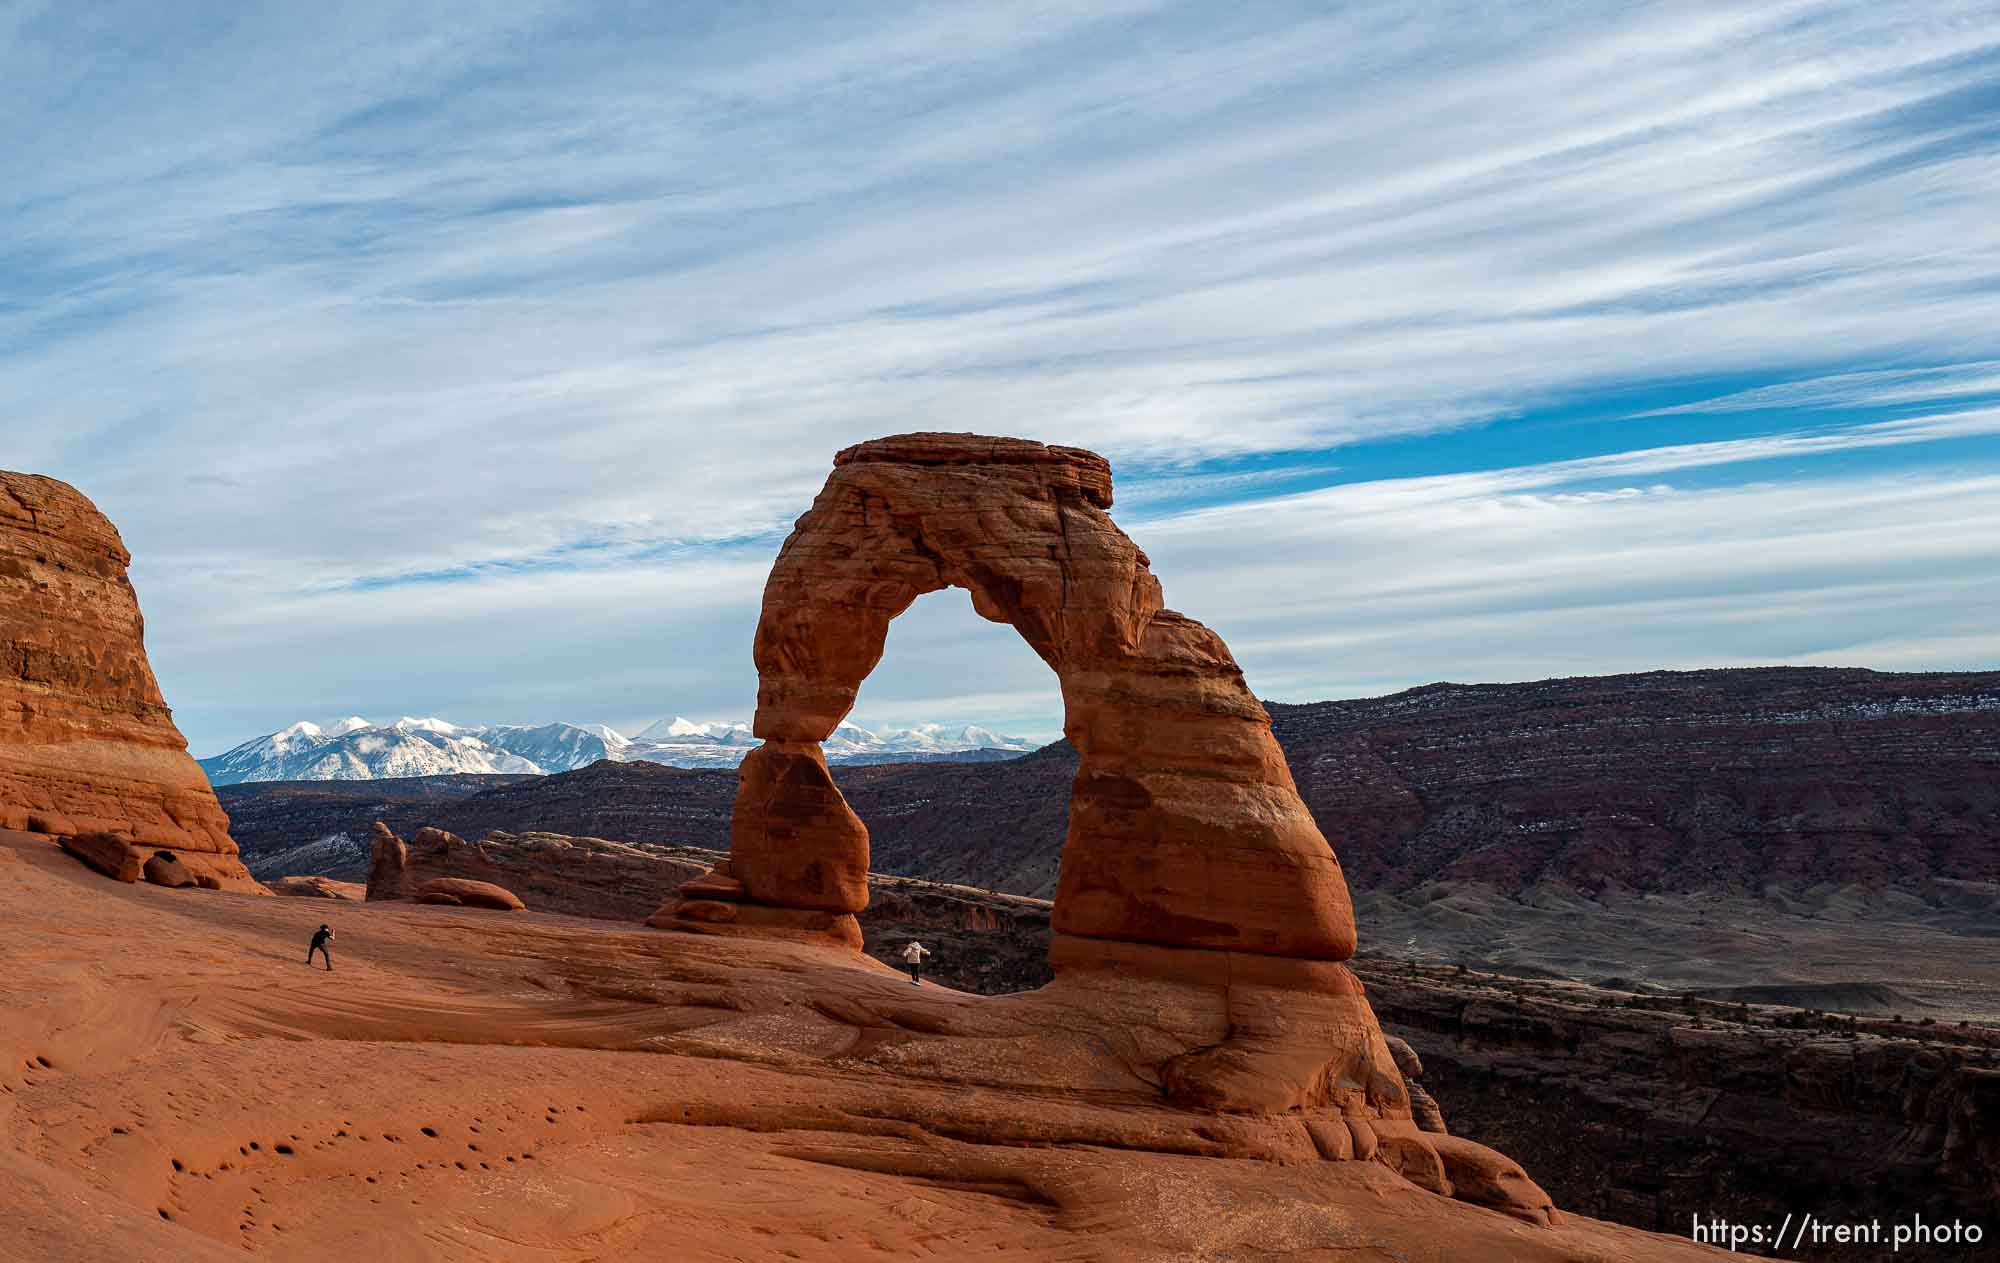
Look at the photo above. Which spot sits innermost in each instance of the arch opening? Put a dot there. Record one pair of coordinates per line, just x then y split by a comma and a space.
986, 826
944, 663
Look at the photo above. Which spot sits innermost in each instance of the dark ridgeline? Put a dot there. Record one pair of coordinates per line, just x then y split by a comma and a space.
1724, 780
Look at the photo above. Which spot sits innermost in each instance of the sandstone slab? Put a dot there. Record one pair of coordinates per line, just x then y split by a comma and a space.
505, 1094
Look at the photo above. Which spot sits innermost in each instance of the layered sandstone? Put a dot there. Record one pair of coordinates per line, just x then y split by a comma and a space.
1200, 919
87, 744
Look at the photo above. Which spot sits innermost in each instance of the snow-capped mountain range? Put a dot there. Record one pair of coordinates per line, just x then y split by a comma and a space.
353, 749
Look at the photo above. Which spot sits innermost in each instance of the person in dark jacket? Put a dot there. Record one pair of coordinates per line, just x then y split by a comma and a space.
319, 941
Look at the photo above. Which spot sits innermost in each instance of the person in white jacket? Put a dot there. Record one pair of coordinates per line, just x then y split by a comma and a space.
913, 956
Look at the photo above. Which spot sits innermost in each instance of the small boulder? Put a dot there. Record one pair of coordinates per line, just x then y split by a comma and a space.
164, 868
1486, 1178
473, 894
1415, 1161
107, 853
56, 826
1331, 1137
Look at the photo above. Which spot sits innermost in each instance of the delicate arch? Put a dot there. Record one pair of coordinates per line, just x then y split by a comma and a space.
1185, 827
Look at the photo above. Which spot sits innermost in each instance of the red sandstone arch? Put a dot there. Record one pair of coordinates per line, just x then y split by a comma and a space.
1185, 827
1199, 915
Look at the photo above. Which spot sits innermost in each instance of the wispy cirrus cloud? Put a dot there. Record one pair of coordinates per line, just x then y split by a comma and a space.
351, 315
1880, 388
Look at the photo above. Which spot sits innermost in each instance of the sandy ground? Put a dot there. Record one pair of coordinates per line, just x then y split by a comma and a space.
176, 1084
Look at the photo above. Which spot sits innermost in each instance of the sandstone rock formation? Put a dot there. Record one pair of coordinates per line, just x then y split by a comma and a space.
317, 888
590, 877
108, 853
1200, 917
1185, 830
422, 869
87, 744
1423, 1106
472, 894
388, 863
164, 868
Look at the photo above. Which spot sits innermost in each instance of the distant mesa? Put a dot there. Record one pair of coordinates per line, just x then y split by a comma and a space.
1835, 997
353, 749
88, 749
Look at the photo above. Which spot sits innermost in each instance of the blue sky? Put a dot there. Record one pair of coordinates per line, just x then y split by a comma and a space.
475, 361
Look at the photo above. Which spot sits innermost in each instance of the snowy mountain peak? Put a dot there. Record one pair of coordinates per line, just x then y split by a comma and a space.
354, 749
439, 726
669, 729
610, 736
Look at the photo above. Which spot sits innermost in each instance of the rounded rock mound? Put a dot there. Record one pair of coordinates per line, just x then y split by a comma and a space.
473, 894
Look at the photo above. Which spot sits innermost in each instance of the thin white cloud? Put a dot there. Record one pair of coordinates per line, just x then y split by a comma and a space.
1855, 390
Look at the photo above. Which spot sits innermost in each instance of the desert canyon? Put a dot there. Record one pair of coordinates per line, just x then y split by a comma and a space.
677, 1054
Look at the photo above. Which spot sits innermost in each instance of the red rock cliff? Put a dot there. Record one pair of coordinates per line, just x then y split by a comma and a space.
86, 741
